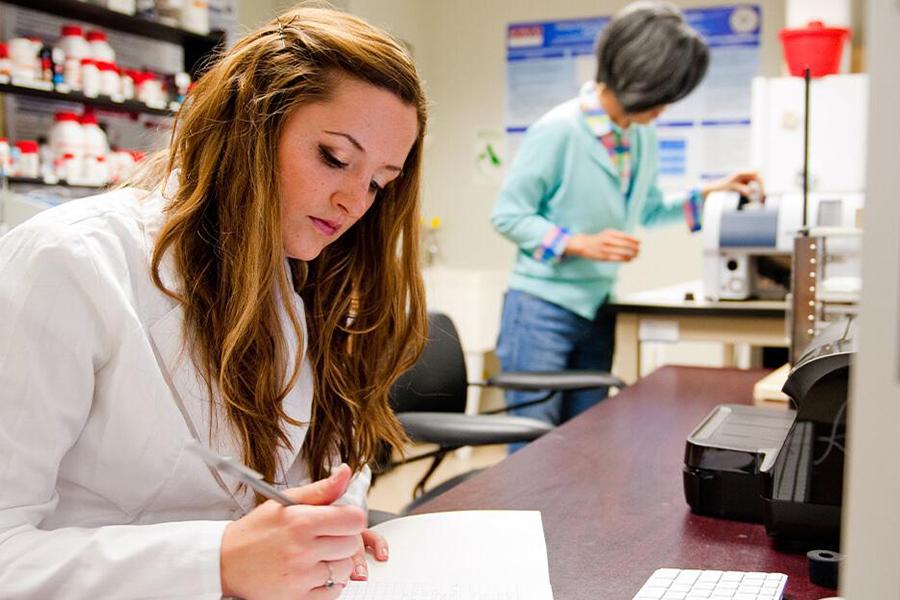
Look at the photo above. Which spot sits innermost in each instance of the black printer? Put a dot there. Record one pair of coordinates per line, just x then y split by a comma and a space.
724, 456
783, 468
803, 487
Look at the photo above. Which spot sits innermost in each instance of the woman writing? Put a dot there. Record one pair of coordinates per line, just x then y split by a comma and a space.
259, 299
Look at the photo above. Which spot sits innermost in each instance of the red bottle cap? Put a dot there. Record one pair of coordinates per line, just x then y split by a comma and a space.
27, 146
72, 30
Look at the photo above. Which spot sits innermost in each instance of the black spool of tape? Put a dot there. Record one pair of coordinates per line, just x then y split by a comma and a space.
823, 567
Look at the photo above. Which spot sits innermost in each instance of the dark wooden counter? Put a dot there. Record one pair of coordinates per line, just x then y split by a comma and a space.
609, 488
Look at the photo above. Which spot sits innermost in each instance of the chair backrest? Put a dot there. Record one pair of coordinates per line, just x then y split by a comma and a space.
437, 382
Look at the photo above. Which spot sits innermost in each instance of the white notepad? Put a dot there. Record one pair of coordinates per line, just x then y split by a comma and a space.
464, 555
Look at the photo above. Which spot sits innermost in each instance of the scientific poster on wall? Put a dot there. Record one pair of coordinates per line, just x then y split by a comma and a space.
703, 136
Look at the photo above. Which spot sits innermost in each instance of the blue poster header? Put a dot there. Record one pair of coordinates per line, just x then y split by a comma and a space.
575, 35
720, 26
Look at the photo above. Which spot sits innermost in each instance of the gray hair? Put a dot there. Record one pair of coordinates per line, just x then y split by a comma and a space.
648, 56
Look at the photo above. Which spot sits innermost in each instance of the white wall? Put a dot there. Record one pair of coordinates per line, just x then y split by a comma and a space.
871, 520
462, 59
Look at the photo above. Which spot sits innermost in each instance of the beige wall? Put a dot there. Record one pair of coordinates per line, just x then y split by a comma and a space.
460, 50
871, 520
254, 12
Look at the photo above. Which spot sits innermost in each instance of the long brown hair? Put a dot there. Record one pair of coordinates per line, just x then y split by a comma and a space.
363, 295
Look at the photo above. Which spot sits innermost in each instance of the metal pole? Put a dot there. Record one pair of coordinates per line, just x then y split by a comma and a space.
806, 82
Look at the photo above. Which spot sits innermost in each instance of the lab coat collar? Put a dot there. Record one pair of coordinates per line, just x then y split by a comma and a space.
189, 390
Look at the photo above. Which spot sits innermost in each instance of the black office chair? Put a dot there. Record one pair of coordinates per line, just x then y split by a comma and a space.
430, 401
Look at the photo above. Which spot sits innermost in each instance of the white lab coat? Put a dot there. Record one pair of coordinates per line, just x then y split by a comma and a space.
98, 497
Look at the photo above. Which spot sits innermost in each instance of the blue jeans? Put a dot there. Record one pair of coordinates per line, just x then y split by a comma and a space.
536, 335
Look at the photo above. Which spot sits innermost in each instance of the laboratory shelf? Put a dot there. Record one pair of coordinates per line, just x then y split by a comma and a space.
15, 181
111, 19
102, 102
196, 46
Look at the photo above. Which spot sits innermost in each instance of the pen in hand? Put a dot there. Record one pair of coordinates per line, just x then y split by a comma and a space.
233, 468
259, 548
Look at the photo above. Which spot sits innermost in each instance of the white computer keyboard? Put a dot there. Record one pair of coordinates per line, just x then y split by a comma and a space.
692, 584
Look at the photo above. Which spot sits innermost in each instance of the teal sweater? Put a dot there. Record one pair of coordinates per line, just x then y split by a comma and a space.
563, 176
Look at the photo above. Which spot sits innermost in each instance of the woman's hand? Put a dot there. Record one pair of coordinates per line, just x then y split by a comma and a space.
379, 547
280, 551
746, 183
608, 245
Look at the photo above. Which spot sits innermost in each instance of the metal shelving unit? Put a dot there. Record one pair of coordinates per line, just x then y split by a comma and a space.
16, 200
196, 46
102, 102
17, 181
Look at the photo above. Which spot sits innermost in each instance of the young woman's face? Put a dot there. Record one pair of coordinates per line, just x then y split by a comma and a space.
334, 157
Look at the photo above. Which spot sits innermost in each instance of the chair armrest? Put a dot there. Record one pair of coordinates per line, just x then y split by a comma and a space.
554, 380
453, 429
377, 517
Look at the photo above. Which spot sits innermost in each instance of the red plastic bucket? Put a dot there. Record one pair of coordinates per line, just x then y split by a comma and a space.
817, 47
